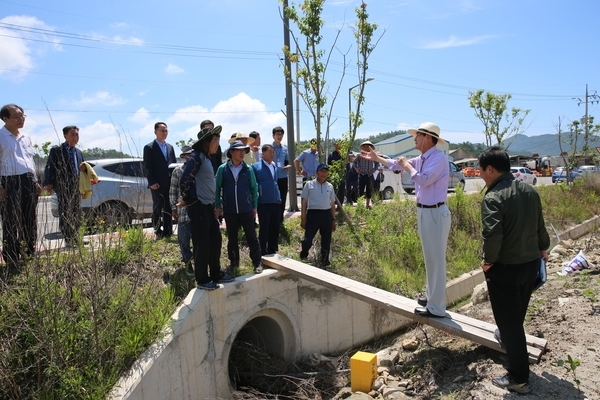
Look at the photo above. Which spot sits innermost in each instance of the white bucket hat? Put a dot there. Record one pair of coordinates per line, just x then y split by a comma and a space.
428, 128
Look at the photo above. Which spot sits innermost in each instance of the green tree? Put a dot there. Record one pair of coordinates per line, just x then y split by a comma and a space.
98, 153
473, 148
312, 64
499, 122
590, 132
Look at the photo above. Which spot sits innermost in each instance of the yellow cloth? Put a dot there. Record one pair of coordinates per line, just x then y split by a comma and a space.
86, 179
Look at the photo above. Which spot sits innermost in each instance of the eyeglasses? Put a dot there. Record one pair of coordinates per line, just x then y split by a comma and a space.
278, 133
19, 116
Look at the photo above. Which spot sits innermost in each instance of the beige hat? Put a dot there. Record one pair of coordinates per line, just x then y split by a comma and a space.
428, 128
367, 143
243, 137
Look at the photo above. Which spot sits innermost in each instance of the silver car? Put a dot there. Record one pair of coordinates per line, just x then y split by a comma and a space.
455, 179
121, 194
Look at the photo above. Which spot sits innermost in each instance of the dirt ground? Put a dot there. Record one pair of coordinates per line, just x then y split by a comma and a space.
565, 311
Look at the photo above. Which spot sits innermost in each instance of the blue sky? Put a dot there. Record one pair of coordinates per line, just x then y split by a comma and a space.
114, 68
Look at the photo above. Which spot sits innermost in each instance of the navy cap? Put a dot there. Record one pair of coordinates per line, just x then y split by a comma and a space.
322, 166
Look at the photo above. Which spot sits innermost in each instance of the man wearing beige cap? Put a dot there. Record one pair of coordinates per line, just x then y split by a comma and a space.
430, 173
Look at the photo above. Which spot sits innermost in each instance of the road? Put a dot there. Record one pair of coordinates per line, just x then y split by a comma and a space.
472, 185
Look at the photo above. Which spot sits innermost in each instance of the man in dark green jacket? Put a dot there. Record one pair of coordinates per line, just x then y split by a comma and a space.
514, 240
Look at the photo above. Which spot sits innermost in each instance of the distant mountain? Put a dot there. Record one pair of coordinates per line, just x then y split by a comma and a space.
541, 144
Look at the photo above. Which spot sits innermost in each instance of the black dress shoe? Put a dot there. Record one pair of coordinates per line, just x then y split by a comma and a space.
424, 312
422, 301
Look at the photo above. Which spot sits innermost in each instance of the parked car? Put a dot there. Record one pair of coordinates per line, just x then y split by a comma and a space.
560, 175
589, 169
524, 174
392, 183
456, 179
121, 194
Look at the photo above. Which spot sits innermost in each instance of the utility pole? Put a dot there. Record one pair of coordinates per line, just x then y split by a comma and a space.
588, 98
289, 113
297, 101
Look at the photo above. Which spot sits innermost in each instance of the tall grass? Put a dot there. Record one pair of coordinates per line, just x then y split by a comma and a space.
72, 322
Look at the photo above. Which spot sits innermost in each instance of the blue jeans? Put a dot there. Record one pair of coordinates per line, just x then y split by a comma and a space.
184, 235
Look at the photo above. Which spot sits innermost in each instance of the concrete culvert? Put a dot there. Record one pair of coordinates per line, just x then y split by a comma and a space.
258, 346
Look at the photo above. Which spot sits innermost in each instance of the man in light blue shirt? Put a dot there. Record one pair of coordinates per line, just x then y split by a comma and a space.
309, 159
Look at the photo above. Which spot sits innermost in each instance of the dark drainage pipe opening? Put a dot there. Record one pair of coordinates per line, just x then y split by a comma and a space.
257, 349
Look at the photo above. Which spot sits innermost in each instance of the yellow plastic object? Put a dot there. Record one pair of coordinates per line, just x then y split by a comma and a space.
363, 371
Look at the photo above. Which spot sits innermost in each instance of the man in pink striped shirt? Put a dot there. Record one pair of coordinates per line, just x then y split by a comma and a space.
429, 172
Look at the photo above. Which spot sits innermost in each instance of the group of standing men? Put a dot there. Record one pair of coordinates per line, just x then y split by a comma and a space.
251, 183
514, 233
20, 189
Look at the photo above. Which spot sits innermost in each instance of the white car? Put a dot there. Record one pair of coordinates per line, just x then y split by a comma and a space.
121, 194
455, 179
524, 174
589, 169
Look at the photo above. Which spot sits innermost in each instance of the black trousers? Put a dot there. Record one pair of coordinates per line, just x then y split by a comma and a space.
69, 209
246, 222
341, 191
206, 242
161, 212
19, 222
365, 182
510, 288
283, 191
318, 221
269, 219
352, 191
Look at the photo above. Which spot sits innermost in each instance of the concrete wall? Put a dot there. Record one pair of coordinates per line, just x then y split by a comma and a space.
295, 318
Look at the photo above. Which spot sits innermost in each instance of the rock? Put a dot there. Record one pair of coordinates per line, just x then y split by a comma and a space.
387, 357
559, 249
381, 370
394, 393
378, 384
359, 396
480, 294
563, 300
343, 394
410, 344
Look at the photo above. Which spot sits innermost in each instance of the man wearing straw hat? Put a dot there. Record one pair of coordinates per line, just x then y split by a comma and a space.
430, 173
197, 187
365, 169
237, 200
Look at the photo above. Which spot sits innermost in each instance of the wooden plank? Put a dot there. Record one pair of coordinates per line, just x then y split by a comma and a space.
457, 324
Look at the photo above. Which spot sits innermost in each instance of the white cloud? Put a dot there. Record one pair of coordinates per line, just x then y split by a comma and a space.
174, 69
238, 113
454, 41
118, 39
129, 135
141, 116
119, 25
18, 53
106, 136
188, 114
100, 97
